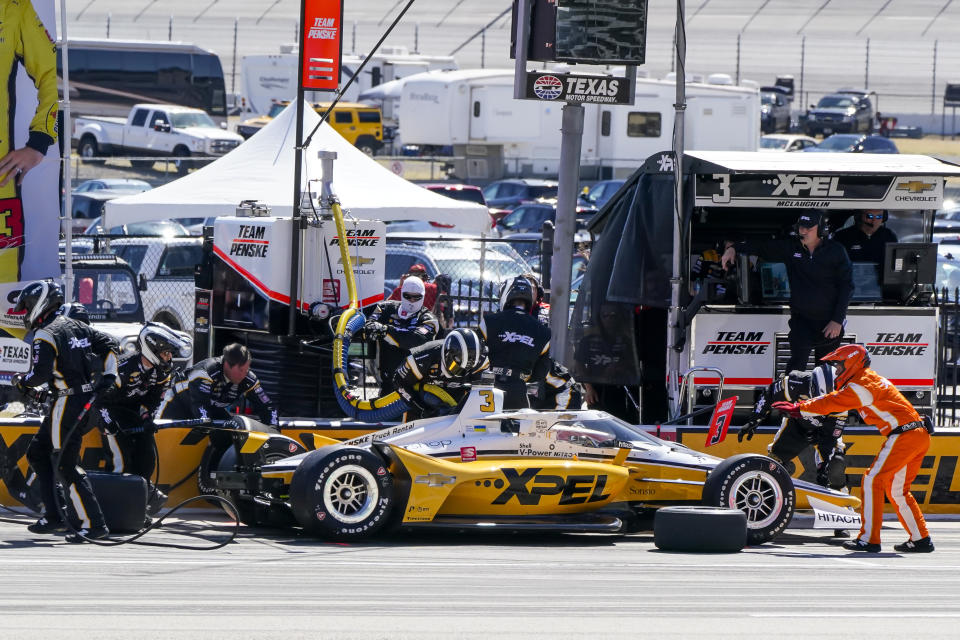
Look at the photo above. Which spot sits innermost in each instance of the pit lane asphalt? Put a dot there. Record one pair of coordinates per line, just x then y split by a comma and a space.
277, 584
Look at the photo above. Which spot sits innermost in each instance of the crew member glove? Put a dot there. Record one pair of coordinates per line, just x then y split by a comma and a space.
17, 382
147, 424
106, 387
792, 409
747, 430
375, 330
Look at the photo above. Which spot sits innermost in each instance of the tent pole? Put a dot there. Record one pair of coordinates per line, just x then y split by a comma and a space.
66, 167
673, 318
299, 150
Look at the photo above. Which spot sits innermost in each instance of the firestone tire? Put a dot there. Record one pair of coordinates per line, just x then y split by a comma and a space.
700, 529
757, 485
342, 493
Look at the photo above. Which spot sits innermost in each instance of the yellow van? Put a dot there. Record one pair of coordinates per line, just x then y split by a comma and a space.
360, 124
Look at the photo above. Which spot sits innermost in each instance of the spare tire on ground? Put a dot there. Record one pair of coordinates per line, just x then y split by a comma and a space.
702, 529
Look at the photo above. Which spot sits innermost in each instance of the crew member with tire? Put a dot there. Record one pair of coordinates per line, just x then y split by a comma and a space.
518, 343
67, 356
126, 416
896, 466
395, 327
821, 283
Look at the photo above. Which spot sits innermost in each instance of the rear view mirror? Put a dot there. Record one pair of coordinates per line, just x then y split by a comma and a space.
163, 127
142, 282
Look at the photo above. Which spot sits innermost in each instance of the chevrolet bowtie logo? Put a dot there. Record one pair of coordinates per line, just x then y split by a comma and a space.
435, 479
357, 261
916, 186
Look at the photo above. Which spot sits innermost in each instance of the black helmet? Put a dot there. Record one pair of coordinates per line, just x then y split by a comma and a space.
76, 311
156, 337
517, 289
462, 353
38, 299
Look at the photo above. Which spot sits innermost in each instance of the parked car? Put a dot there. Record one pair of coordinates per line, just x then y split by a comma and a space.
161, 228
126, 185
360, 124
840, 113
530, 217
854, 143
528, 245
153, 130
599, 193
165, 271
508, 194
463, 192
88, 206
774, 110
785, 142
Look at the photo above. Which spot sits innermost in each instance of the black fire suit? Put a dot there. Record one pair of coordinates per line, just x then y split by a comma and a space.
424, 365
396, 336
126, 417
518, 345
795, 435
212, 395
68, 355
558, 391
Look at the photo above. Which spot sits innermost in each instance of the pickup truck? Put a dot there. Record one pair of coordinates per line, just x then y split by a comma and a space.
153, 130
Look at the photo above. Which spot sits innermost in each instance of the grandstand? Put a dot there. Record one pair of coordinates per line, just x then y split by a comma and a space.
885, 45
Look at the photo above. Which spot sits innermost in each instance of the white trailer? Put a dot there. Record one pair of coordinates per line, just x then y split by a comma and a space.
273, 78
474, 111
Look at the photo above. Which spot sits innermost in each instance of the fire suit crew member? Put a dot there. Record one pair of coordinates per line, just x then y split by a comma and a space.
126, 416
219, 384
24, 40
821, 283
796, 435
518, 344
62, 352
397, 327
866, 240
460, 355
895, 467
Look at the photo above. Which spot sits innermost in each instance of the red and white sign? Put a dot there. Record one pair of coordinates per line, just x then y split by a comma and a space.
468, 454
320, 44
720, 420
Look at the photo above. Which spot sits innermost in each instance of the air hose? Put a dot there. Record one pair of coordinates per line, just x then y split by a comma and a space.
352, 320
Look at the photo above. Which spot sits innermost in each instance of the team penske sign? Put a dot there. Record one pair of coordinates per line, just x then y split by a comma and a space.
785, 190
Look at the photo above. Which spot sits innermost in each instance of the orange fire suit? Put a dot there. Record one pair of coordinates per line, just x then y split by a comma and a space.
23, 40
896, 466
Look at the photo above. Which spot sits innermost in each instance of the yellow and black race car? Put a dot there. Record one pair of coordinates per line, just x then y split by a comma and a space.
484, 467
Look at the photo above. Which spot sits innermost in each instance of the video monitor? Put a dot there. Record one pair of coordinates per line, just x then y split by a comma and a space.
866, 282
907, 266
774, 284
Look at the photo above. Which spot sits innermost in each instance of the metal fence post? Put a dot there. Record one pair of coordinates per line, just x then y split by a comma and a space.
483, 49
933, 84
108, 25
866, 70
738, 58
170, 29
233, 73
803, 64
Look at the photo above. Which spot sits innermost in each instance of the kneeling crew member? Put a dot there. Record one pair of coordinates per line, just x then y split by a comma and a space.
397, 327
895, 467
220, 384
456, 358
126, 416
62, 352
518, 344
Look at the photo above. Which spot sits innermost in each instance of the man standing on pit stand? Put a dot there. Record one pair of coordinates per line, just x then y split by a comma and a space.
66, 355
821, 283
867, 239
518, 344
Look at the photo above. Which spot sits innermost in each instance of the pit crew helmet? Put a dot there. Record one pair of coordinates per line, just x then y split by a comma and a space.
848, 360
156, 337
38, 299
517, 289
76, 311
462, 353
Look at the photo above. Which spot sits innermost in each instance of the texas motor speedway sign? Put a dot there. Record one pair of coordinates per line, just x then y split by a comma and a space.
565, 87
812, 191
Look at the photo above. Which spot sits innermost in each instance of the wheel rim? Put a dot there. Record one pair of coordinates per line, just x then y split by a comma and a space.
86, 151
350, 494
758, 494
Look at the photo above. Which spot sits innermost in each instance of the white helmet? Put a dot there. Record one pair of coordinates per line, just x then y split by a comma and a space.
156, 337
411, 297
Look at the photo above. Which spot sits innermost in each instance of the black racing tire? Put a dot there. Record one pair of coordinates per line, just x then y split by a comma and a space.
89, 150
757, 485
700, 529
183, 168
142, 164
342, 493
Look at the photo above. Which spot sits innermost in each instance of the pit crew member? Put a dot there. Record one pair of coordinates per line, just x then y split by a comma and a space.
126, 416
821, 283
895, 467
518, 343
67, 356
866, 240
219, 385
397, 327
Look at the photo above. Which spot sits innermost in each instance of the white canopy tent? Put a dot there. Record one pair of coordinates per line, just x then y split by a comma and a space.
262, 169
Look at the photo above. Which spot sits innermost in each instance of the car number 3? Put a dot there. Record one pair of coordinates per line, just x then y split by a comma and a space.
488, 405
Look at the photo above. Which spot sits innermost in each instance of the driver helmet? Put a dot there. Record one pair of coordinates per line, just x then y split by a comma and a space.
462, 353
411, 297
848, 360
38, 299
518, 289
156, 337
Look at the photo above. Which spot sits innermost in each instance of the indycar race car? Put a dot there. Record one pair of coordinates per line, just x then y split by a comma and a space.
484, 467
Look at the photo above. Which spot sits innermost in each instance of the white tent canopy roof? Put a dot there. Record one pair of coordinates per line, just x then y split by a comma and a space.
262, 169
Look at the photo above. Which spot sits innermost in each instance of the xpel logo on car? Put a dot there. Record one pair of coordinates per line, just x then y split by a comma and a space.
574, 489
